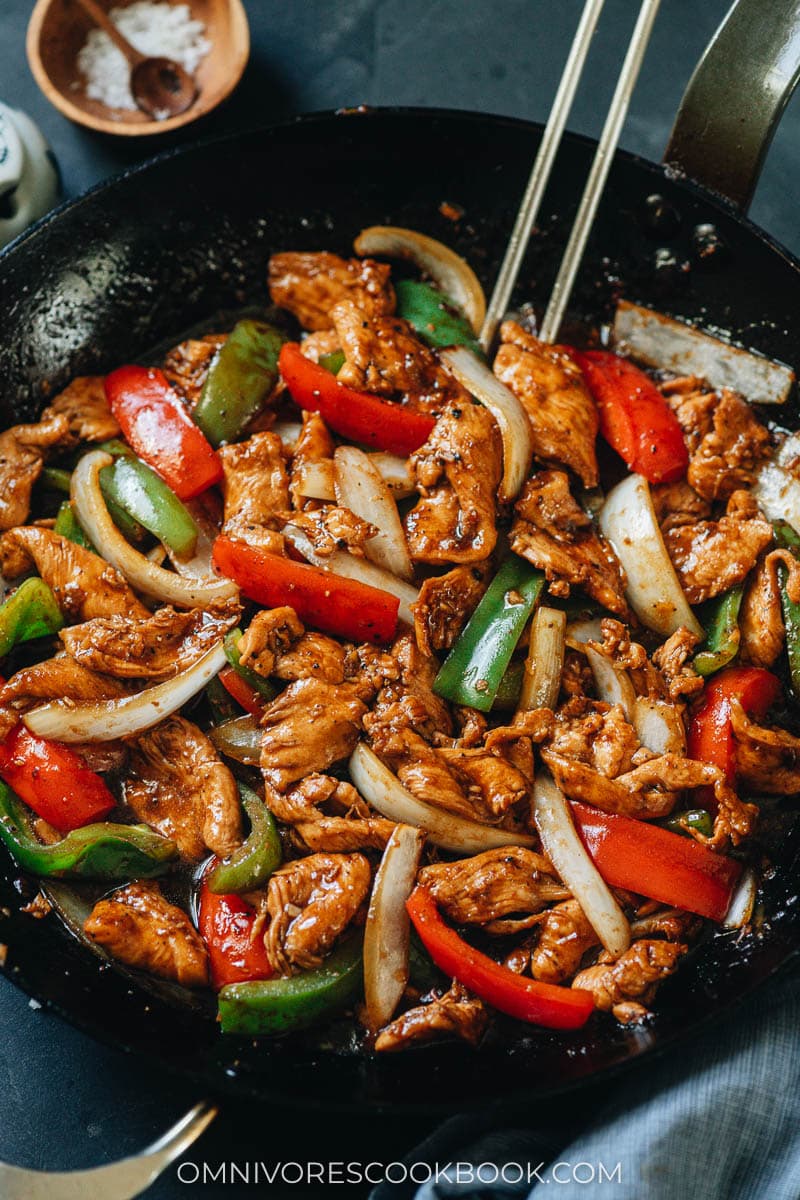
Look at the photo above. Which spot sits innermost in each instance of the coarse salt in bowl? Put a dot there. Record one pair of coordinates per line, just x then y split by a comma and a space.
154, 28
87, 78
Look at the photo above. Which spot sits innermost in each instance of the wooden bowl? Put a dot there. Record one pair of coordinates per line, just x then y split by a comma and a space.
58, 29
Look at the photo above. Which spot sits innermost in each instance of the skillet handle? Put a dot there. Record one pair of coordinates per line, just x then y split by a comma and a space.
736, 97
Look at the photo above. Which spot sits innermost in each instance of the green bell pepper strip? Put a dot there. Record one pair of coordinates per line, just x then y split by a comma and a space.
125, 522
787, 539
100, 851
242, 375
128, 526
31, 612
222, 705
721, 623
692, 818
508, 693
132, 486
473, 670
239, 739
68, 527
435, 317
422, 970
791, 620
115, 447
264, 687
57, 479
275, 1006
251, 865
332, 362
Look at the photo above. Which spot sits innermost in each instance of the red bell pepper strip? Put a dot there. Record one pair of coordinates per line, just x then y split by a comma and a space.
344, 607
710, 736
242, 692
357, 416
653, 862
54, 781
226, 926
635, 419
160, 430
518, 996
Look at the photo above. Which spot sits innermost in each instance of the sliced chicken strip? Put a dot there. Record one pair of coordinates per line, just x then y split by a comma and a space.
187, 364
495, 884
634, 977
309, 727
456, 1012
310, 903
85, 407
254, 487
458, 472
551, 388
22, 451
554, 534
309, 285
83, 583
445, 604
385, 356
349, 824
154, 647
178, 785
565, 935
137, 926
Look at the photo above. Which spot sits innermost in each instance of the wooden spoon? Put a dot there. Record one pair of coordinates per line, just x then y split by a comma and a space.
160, 86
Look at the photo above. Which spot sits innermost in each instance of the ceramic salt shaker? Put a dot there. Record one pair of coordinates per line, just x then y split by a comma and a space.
28, 176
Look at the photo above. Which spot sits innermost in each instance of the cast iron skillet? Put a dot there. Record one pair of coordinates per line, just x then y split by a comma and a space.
140, 259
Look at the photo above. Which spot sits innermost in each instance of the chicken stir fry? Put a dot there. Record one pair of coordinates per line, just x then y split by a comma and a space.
447, 719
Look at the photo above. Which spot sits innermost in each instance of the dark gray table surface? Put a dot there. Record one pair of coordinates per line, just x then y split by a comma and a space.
66, 1101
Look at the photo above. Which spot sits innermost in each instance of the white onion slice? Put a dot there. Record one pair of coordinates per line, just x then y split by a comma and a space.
385, 792
659, 726
657, 723
360, 488
567, 853
199, 565
777, 487
240, 738
104, 720
740, 909
613, 684
289, 433
545, 662
671, 345
628, 520
512, 419
452, 273
788, 453
394, 473
315, 480
351, 567
580, 632
777, 494
386, 933
143, 575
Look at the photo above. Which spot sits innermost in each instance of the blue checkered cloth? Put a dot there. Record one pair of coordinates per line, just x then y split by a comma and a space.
718, 1119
